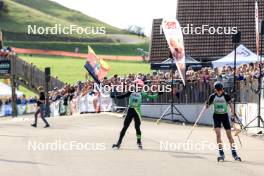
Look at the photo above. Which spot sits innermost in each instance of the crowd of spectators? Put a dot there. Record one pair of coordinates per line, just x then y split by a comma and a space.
20, 100
244, 72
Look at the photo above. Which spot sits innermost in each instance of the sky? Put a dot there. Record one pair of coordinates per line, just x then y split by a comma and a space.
122, 13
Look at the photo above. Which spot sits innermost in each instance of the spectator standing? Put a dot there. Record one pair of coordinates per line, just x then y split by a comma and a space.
41, 108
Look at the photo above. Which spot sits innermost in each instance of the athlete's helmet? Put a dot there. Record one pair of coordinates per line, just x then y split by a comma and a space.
218, 86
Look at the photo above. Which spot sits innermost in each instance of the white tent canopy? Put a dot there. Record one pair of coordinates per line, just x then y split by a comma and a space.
5, 91
244, 56
188, 60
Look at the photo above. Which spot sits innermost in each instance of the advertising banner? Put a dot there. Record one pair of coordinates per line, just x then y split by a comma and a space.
173, 33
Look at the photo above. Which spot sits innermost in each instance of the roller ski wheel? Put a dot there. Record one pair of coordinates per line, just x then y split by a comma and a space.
116, 146
221, 158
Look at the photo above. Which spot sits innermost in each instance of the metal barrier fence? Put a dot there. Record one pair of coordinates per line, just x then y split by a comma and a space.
32, 76
192, 93
198, 92
6, 109
29, 75
78, 105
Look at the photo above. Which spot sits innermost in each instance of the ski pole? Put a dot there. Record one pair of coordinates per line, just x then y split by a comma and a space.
195, 124
237, 131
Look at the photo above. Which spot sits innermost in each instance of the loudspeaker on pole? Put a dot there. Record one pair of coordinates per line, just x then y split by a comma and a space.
47, 74
236, 38
261, 27
1, 5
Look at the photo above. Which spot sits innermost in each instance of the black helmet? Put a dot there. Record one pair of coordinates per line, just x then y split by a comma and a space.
218, 86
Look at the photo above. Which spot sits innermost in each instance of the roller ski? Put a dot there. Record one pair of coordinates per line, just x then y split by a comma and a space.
140, 146
116, 146
221, 156
235, 156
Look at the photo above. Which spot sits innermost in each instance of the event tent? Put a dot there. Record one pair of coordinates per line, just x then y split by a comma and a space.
191, 62
244, 56
188, 60
5, 91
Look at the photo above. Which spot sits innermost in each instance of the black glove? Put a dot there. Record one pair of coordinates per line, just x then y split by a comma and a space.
113, 94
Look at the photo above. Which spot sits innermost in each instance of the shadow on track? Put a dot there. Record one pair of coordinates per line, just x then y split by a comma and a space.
22, 162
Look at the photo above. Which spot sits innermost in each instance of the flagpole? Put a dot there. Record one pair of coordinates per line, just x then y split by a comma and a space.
259, 118
257, 26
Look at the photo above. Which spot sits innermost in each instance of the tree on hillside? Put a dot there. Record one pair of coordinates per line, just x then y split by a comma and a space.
134, 29
3, 7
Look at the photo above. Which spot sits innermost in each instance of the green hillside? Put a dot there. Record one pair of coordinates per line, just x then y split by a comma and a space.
99, 48
45, 13
65, 14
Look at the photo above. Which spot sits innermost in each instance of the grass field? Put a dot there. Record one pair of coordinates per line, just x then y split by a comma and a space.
71, 70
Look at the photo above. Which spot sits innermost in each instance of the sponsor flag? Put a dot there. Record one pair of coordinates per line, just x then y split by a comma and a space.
173, 33
96, 67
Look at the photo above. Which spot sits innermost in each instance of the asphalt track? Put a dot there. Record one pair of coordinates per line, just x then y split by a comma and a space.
99, 131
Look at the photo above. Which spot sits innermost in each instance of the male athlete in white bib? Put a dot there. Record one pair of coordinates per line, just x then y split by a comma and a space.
221, 100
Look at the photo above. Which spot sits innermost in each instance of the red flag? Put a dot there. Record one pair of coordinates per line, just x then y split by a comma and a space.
99, 67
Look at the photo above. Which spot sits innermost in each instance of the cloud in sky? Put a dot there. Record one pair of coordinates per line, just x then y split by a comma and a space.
122, 13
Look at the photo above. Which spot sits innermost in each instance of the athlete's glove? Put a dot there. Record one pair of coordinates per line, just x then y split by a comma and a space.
113, 94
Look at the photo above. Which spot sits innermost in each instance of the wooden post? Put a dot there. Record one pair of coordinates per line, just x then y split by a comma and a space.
47, 87
1, 40
13, 85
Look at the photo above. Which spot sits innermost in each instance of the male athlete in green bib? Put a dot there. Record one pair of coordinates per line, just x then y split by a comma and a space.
221, 100
134, 111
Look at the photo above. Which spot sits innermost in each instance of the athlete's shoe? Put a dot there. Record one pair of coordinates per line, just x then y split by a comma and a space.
221, 156
139, 143
235, 156
47, 126
140, 146
116, 146
34, 125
